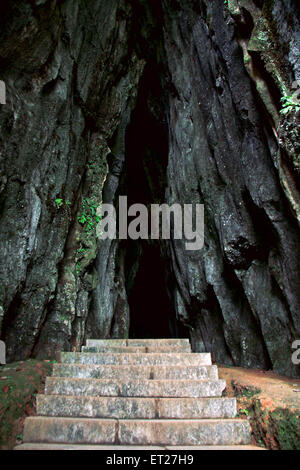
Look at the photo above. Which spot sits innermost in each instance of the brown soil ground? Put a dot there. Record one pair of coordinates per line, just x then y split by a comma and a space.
19, 384
276, 390
271, 402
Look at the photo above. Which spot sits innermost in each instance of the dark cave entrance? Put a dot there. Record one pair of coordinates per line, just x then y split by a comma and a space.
149, 279
151, 311
150, 290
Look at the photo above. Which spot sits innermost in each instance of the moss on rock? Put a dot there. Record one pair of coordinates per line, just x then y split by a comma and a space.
278, 429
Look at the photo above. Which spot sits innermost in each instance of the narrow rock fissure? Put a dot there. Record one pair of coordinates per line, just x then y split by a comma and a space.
163, 102
148, 273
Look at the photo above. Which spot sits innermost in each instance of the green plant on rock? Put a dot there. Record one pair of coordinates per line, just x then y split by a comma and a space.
88, 217
58, 202
290, 103
244, 411
260, 443
288, 429
91, 165
78, 268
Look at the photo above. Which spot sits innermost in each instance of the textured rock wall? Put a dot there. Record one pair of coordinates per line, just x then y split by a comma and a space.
240, 294
77, 84
70, 73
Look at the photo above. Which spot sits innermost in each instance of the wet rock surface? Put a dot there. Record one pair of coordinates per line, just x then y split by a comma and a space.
163, 102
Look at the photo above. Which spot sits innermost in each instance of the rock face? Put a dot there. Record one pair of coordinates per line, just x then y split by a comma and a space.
71, 74
162, 102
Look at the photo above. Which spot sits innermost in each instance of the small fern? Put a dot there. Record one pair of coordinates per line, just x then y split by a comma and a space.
58, 202
290, 103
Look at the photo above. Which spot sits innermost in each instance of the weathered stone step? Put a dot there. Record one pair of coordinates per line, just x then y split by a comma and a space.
136, 432
186, 348
133, 408
184, 359
98, 371
116, 448
135, 388
161, 342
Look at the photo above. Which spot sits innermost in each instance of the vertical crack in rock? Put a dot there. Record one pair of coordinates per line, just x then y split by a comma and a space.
175, 102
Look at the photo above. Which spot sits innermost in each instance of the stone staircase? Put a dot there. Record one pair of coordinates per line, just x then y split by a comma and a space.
135, 394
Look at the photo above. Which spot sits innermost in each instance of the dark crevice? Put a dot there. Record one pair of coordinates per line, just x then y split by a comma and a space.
11, 314
207, 317
277, 292
247, 316
190, 129
246, 25
151, 313
259, 3
292, 174
43, 322
149, 279
260, 70
267, 238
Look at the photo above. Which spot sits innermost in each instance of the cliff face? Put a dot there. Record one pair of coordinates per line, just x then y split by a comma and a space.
70, 72
162, 102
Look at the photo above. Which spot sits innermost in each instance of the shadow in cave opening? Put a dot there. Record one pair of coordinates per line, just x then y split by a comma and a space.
152, 313
150, 282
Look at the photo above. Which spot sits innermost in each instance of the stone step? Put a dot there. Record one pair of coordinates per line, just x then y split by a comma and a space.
186, 348
135, 394
163, 342
135, 388
98, 371
135, 408
116, 448
183, 359
136, 432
